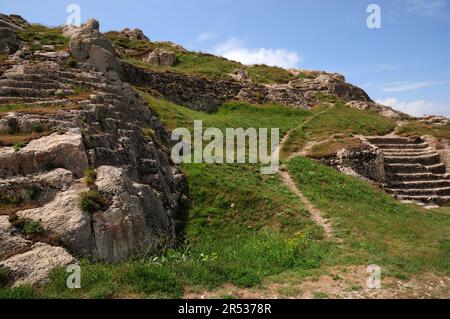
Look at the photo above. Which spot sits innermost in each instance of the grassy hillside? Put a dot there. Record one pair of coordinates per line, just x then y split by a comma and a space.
376, 229
416, 128
336, 125
247, 229
201, 64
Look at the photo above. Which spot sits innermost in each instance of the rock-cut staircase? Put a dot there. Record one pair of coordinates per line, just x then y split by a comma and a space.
414, 170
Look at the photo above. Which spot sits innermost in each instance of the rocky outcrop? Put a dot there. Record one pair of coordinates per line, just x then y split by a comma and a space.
89, 118
161, 57
88, 44
9, 41
208, 95
133, 34
366, 161
378, 108
34, 266
241, 76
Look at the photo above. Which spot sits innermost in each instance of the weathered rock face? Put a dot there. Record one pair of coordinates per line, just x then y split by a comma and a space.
9, 41
146, 196
435, 120
380, 109
133, 34
88, 44
366, 161
207, 95
241, 76
161, 57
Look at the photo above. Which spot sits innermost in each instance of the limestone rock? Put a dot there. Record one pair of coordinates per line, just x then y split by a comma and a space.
10, 243
136, 222
161, 57
241, 76
88, 44
380, 109
365, 161
435, 120
63, 218
9, 41
56, 150
133, 34
33, 267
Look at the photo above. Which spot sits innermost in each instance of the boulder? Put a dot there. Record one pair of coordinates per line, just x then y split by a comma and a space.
136, 221
241, 76
9, 41
10, 243
33, 266
133, 34
63, 219
380, 109
88, 44
56, 150
161, 57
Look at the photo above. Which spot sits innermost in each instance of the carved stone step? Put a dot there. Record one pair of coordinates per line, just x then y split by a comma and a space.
409, 159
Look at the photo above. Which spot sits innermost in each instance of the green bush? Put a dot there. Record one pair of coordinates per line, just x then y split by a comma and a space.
31, 227
90, 176
4, 276
37, 128
92, 202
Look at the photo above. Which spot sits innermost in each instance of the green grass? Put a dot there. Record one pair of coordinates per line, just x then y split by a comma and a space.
200, 64
416, 128
240, 257
37, 35
339, 119
402, 239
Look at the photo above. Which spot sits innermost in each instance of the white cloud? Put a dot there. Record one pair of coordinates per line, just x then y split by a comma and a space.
415, 108
235, 49
409, 86
429, 8
206, 36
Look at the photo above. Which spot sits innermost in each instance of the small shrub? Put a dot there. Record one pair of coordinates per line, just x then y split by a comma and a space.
71, 62
37, 128
33, 192
32, 227
90, 176
18, 146
149, 132
26, 226
11, 200
4, 276
92, 202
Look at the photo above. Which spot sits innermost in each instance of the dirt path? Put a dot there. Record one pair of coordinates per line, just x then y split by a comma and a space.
316, 214
348, 282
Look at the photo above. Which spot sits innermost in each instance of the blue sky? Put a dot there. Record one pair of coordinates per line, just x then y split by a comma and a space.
405, 63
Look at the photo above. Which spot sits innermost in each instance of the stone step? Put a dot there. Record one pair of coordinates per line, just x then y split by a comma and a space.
413, 152
32, 85
444, 191
419, 177
415, 168
436, 200
418, 184
393, 140
25, 100
409, 159
25, 77
419, 146
26, 92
